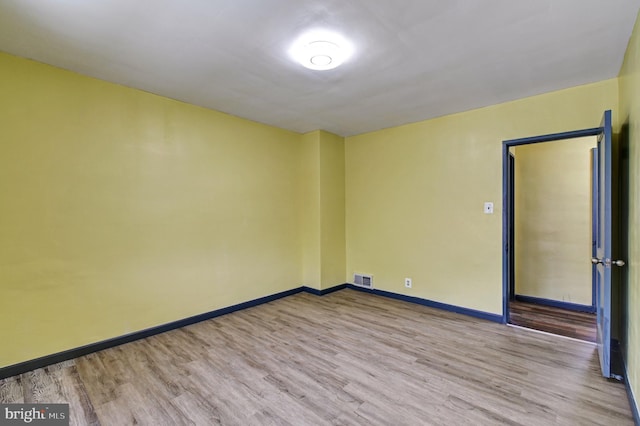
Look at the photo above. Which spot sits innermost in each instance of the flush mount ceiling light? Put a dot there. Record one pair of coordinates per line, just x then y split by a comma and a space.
321, 50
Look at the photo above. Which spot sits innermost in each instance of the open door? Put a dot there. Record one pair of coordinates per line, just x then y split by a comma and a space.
602, 164
602, 217
594, 224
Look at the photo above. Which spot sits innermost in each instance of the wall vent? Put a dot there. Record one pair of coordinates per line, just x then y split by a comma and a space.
362, 280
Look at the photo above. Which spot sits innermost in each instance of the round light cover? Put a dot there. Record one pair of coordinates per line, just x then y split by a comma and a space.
321, 50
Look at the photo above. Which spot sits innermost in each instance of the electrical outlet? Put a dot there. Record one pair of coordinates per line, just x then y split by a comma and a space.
407, 282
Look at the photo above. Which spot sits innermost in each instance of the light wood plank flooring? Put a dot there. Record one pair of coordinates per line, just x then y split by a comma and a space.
578, 325
346, 358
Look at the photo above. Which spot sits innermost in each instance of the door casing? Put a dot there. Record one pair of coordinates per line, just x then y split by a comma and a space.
506, 200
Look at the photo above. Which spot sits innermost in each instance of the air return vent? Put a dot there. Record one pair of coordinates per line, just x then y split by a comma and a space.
363, 280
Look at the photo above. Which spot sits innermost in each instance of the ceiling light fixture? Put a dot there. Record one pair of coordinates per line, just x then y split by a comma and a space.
321, 50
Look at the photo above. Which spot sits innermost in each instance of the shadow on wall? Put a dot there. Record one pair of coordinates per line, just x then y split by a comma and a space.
621, 276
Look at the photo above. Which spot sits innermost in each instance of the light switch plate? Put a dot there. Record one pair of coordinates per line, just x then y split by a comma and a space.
488, 208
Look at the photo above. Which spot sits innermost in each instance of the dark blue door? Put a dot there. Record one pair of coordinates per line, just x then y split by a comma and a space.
602, 259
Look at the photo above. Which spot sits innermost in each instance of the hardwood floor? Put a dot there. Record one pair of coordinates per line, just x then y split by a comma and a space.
579, 325
346, 358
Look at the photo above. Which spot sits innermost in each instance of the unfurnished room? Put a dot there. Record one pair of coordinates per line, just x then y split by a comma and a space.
319, 212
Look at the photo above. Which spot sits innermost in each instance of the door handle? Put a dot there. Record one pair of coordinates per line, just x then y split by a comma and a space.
607, 262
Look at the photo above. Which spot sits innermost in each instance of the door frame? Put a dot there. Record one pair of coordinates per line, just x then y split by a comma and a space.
506, 200
511, 222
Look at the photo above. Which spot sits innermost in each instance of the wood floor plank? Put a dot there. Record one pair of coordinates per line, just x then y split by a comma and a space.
75, 394
564, 322
347, 358
59, 384
11, 390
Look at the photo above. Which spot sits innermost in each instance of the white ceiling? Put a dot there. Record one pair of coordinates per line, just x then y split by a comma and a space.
414, 59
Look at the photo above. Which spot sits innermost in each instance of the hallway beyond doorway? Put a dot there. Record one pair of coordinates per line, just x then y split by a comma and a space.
564, 322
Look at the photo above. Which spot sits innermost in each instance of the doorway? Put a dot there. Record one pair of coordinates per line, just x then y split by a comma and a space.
548, 214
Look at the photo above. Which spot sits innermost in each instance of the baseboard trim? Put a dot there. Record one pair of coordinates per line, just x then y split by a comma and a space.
630, 395
556, 303
432, 304
23, 367
325, 291
632, 402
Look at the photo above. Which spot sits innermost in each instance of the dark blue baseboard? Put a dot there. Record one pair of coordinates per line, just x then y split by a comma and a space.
430, 303
632, 402
630, 395
556, 304
23, 367
325, 291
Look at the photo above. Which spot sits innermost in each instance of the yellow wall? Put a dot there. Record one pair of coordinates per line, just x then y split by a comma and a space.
309, 199
122, 210
630, 117
415, 194
332, 205
322, 209
128, 210
553, 220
